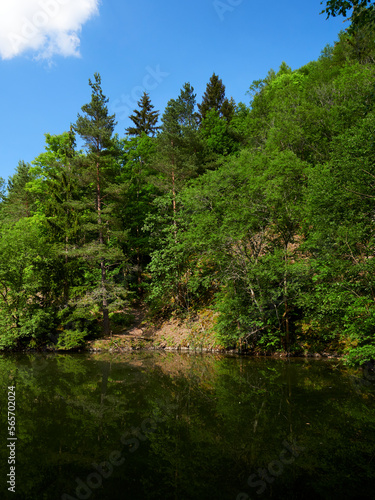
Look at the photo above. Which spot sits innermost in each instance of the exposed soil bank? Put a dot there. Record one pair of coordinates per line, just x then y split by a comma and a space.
194, 334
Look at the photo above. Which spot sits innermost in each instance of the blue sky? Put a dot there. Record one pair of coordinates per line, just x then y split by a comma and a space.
50, 48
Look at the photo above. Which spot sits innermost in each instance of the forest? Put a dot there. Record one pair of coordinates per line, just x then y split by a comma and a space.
261, 213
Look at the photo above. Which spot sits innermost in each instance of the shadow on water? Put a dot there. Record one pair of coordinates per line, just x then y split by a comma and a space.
156, 425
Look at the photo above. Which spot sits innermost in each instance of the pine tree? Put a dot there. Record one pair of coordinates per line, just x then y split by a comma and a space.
18, 202
57, 186
216, 113
2, 190
144, 119
188, 118
96, 127
180, 120
135, 174
177, 142
213, 98
228, 109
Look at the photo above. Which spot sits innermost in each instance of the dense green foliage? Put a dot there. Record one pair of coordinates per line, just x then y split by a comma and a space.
362, 11
144, 119
262, 212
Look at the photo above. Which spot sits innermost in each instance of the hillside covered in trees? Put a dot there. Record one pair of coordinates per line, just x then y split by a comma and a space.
261, 212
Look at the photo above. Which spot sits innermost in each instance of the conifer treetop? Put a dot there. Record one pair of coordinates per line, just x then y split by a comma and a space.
144, 118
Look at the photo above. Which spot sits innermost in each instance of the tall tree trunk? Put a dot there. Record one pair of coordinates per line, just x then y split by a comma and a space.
66, 284
174, 196
106, 328
286, 303
139, 277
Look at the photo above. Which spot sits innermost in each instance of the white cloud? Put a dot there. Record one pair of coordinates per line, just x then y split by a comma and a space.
46, 27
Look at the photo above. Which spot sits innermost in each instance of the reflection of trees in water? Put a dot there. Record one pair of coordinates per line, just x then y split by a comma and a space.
227, 417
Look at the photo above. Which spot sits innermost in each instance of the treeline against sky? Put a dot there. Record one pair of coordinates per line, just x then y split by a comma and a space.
263, 212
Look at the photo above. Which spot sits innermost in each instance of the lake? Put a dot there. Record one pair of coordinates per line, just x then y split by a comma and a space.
169, 425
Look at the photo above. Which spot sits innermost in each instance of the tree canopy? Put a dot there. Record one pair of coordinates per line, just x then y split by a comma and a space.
362, 12
144, 118
257, 215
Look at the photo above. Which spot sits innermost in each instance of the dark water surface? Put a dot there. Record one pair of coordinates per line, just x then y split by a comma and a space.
156, 425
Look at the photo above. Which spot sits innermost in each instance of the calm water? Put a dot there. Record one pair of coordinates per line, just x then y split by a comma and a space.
155, 425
